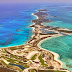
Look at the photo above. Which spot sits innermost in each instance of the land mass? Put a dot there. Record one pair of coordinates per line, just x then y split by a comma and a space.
31, 57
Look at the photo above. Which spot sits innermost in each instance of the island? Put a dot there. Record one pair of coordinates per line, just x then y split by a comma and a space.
30, 57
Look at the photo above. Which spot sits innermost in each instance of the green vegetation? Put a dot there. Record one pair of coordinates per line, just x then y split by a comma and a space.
13, 56
42, 61
9, 59
24, 65
34, 57
50, 71
32, 70
17, 47
30, 62
18, 58
3, 62
15, 67
11, 66
12, 48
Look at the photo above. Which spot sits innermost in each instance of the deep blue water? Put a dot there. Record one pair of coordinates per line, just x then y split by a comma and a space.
14, 24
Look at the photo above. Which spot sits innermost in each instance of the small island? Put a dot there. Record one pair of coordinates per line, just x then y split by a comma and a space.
31, 57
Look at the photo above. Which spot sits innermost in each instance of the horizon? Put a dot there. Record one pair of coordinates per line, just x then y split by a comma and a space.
36, 1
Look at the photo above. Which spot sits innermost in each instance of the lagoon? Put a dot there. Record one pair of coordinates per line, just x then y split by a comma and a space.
63, 46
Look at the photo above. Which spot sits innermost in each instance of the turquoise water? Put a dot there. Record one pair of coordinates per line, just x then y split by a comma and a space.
15, 20
63, 46
60, 24
63, 17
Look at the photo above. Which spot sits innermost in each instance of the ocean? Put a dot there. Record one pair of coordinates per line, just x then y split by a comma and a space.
15, 20
63, 46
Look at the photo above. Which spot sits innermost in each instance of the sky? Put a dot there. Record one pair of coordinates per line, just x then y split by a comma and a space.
35, 1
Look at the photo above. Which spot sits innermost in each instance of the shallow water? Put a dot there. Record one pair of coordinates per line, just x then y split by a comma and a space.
63, 46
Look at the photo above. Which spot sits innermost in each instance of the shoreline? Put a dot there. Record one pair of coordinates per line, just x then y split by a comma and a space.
27, 41
38, 37
56, 56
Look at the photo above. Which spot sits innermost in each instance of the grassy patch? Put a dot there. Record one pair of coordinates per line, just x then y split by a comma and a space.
34, 57
15, 61
42, 61
17, 47
3, 62
14, 56
9, 59
11, 66
24, 65
15, 67
32, 71
18, 58
50, 71
12, 48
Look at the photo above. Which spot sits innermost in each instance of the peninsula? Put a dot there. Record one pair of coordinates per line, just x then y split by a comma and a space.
31, 57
